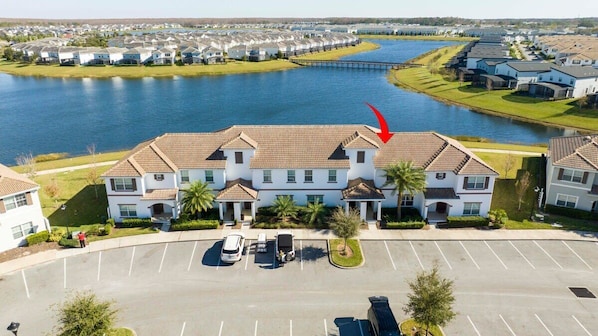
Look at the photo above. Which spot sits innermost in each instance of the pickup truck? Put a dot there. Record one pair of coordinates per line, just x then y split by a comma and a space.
285, 246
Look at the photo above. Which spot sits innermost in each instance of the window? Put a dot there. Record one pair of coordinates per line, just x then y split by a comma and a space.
184, 176
440, 176
471, 209
290, 176
210, 176
159, 177
22, 230
407, 201
475, 182
388, 179
309, 176
566, 201
332, 176
267, 176
127, 210
238, 157
315, 198
124, 184
571, 175
360, 156
14, 202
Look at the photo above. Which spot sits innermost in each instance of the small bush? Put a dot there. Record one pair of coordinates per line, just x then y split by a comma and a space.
57, 234
110, 221
137, 222
38, 238
65, 242
405, 225
107, 230
466, 221
94, 230
195, 225
50, 157
572, 213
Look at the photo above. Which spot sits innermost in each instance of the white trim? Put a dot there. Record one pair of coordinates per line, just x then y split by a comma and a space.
569, 186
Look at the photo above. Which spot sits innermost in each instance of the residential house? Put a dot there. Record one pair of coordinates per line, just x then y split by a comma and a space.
213, 55
164, 56
250, 166
524, 72
136, 56
108, 56
572, 172
191, 55
240, 52
85, 56
582, 80
20, 209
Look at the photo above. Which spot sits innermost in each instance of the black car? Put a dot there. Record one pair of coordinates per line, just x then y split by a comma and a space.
382, 320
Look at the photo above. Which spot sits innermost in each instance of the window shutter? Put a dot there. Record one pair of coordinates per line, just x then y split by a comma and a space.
112, 184
584, 179
28, 198
465, 182
560, 174
2, 207
486, 182
134, 184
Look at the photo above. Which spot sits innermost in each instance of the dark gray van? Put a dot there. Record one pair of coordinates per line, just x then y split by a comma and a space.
382, 320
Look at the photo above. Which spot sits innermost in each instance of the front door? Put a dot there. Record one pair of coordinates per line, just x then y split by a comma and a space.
441, 207
158, 209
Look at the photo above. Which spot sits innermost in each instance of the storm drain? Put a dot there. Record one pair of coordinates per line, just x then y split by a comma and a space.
582, 292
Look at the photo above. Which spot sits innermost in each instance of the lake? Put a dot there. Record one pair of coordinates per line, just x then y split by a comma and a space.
44, 115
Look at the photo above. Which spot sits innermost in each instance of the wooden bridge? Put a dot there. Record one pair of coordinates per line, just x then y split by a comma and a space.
353, 64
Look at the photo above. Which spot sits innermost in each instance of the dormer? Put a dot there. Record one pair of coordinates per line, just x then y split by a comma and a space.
238, 152
361, 151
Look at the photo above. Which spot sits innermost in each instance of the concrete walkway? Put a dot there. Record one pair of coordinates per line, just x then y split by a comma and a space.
67, 169
303, 234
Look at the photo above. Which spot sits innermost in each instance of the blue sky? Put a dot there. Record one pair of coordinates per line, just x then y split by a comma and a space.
475, 9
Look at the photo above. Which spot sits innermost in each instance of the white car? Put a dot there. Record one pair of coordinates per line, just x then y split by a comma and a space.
232, 247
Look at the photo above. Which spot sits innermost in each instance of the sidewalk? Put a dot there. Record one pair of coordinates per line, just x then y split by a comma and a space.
302, 234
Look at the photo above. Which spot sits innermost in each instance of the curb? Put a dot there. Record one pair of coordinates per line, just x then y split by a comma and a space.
344, 267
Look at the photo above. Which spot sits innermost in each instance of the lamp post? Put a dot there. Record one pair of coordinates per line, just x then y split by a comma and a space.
63, 208
531, 215
14, 327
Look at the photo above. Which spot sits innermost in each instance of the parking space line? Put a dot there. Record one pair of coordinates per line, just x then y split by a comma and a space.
255, 329
390, 256
325, 328
131, 264
581, 325
192, 255
360, 328
301, 253
99, 264
544, 325
163, 256
64, 273
414, 252
577, 255
521, 254
549, 256
247, 255
183, 328
25, 282
470, 257
443, 256
496, 255
221, 325
505, 322
291, 327
473, 325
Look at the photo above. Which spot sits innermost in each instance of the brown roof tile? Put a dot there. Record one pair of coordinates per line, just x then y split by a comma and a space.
242, 141
12, 182
160, 194
362, 189
578, 152
358, 141
238, 190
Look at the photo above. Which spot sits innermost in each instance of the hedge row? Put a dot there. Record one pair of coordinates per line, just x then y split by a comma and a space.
38, 238
277, 225
569, 212
137, 222
68, 242
466, 221
195, 225
405, 225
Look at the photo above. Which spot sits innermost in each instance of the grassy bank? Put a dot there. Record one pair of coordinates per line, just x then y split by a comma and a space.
74, 161
506, 103
233, 67
419, 37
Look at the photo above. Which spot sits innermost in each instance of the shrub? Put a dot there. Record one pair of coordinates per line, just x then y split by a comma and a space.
568, 212
50, 157
93, 230
65, 242
38, 238
498, 217
137, 222
466, 221
110, 221
407, 215
57, 234
405, 225
195, 225
107, 230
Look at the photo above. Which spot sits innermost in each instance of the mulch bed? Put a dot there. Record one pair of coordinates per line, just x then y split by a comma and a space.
27, 250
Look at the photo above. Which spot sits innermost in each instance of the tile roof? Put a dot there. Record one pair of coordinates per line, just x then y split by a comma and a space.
578, 152
362, 189
297, 147
12, 182
238, 189
440, 193
577, 71
160, 194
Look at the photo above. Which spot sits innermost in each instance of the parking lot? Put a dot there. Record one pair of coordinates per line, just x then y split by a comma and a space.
501, 287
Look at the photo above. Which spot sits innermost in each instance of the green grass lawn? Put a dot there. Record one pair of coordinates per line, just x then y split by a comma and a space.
408, 325
499, 102
356, 259
540, 148
75, 161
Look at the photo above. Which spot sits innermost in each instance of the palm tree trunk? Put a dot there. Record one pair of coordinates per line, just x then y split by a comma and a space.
399, 201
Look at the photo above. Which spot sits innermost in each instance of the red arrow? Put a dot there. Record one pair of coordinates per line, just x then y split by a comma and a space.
384, 135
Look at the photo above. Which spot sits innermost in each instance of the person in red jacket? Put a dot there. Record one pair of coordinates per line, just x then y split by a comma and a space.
81, 237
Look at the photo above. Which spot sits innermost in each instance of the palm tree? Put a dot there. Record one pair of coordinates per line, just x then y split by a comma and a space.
197, 198
315, 213
285, 207
345, 225
405, 178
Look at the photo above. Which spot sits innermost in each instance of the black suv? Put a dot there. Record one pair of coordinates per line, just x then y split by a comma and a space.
382, 320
